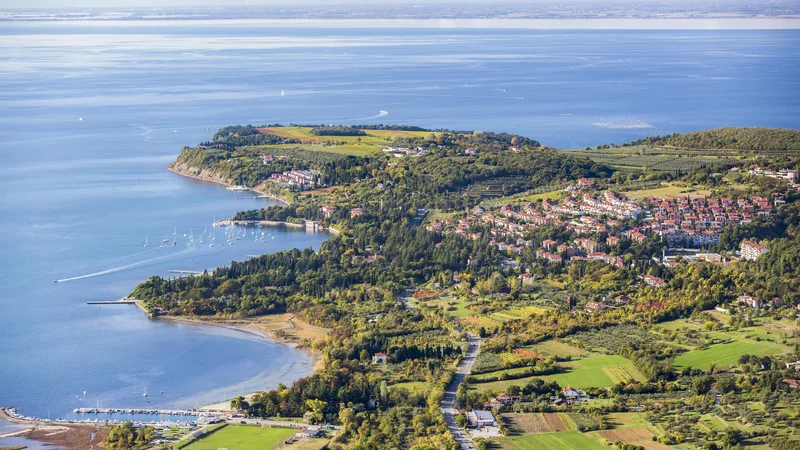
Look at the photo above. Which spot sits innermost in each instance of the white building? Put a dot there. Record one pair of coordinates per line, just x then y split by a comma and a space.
751, 251
481, 419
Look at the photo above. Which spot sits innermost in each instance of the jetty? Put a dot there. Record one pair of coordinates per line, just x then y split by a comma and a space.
185, 272
122, 301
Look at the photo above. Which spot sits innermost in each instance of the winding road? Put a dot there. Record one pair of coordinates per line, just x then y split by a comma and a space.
449, 401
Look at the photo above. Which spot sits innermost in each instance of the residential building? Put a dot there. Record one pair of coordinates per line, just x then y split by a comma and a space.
751, 251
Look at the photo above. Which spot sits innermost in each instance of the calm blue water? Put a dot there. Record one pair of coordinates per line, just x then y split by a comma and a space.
79, 196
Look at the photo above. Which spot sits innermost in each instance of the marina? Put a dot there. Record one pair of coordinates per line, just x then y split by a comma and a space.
139, 416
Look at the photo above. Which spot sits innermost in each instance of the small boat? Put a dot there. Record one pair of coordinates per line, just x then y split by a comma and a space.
283, 94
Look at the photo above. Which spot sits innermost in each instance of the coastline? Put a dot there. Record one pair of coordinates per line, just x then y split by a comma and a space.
217, 180
184, 172
248, 326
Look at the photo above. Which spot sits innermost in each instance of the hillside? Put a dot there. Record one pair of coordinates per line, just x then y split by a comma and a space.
715, 149
748, 139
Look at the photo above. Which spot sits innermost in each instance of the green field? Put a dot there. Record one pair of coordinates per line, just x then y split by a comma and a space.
413, 386
667, 191
374, 141
242, 437
562, 440
594, 371
726, 354
556, 348
597, 371
496, 373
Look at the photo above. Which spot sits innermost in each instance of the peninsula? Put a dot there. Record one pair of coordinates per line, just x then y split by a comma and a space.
486, 290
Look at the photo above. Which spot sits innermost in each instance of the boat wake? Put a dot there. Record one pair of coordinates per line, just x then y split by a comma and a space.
380, 114
121, 268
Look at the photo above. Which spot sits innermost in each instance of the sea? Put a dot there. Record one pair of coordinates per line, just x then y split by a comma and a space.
91, 113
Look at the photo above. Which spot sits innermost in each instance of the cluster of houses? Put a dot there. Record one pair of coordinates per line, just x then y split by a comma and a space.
302, 178
784, 174
608, 204
399, 152
698, 222
267, 158
679, 222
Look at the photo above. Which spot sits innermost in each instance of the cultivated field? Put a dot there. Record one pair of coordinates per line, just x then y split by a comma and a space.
564, 440
536, 422
242, 437
629, 435
726, 354
598, 371
668, 192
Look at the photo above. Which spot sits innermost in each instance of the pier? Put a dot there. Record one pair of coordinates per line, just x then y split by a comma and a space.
123, 301
185, 272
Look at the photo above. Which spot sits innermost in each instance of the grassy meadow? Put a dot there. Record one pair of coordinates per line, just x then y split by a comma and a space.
242, 437
374, 141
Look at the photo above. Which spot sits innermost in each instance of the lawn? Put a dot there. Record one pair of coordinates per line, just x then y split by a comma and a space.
242, 437
597, 371
727, 354
563, 440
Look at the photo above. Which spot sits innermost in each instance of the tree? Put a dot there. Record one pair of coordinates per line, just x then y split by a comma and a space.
316, 406
732, 437
701, 385
239, 404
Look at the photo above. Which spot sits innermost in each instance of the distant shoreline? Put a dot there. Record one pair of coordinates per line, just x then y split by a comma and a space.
662, 24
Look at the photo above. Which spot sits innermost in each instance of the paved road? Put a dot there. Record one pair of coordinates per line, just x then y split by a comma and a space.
448, 402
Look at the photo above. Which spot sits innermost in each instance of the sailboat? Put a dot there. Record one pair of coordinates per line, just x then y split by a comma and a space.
145, 393
145, 242
283, 94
